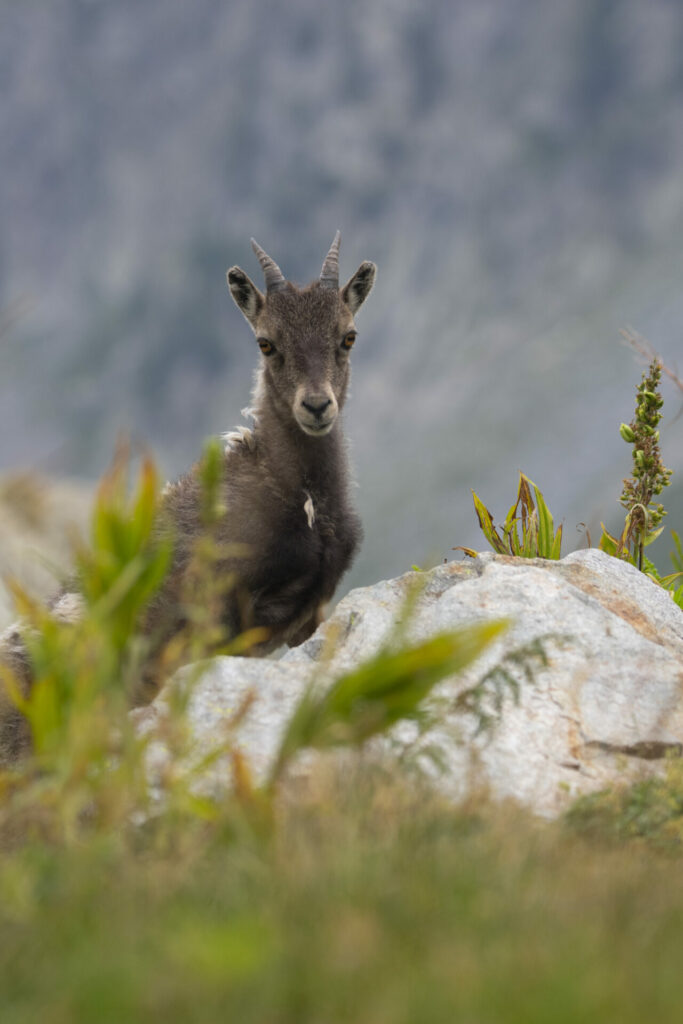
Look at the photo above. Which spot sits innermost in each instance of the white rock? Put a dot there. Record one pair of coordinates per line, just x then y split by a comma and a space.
608, 707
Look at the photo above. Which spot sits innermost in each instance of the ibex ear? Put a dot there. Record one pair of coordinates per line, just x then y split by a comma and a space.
358, 288
245, 293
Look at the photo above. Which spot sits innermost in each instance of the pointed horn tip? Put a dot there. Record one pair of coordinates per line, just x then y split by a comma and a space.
329, 275
275, 279
334, 248
261, 252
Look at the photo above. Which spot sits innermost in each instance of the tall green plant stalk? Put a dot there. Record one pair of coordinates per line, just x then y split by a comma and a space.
649, 475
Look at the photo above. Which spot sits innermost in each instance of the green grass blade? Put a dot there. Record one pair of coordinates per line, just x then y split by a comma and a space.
608, 543
677, 555
546, 526
530, 528
387, 688
555, 551
486, 523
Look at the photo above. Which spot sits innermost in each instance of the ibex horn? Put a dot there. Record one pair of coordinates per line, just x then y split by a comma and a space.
275, 279
329, 275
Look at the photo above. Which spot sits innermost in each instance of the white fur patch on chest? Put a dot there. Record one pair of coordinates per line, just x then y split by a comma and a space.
309, 509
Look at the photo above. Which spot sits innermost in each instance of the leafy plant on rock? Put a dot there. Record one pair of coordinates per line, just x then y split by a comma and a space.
538, 537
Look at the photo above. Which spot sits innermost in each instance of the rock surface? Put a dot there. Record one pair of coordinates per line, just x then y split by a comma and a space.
607, 707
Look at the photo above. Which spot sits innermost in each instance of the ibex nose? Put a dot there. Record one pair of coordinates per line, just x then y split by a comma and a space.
316, 404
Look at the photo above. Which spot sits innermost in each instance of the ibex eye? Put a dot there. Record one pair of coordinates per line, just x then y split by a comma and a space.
266, 346
349, 339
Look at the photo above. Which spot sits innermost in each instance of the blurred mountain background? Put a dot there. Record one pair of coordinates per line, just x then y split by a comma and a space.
515, 168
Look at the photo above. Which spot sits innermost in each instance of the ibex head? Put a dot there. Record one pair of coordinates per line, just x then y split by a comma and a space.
305, 336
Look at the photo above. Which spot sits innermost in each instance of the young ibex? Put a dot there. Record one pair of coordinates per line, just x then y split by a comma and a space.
285, 483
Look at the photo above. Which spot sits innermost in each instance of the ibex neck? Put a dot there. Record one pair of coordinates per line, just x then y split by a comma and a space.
298, 460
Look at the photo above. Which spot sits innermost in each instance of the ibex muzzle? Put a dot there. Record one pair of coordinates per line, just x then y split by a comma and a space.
315, 411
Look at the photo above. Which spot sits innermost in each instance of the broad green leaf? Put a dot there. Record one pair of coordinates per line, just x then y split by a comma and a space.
387, 688
511, 517
555, 551
524, 497
210, 478
530, 527
510, 529
650, 537
514, 545
45, 713
546, 541
486, 523
677, 555
666, 581
145, 504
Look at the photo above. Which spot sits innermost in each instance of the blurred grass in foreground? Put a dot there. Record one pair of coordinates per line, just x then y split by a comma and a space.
354, 894
374, 901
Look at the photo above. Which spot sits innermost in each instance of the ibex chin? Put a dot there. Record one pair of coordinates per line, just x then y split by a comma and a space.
285, 484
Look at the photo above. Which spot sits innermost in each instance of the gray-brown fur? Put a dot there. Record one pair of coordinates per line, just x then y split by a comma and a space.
286, 481
14, 730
